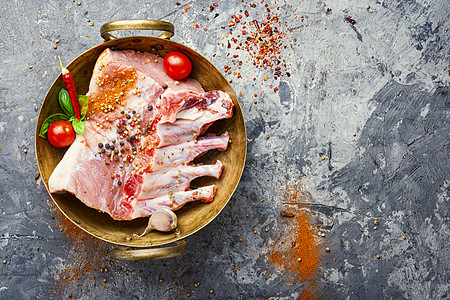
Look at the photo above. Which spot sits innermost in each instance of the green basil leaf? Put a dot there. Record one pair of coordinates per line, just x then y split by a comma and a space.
79, 127
83, 100
65, 102
49, 121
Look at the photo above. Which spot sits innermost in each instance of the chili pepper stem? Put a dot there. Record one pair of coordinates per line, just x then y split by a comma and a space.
64, 71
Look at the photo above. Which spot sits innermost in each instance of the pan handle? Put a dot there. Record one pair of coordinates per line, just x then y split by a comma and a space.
125, 253
167, 27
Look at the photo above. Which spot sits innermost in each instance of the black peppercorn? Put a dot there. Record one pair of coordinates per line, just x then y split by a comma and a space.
100, 145
150, 108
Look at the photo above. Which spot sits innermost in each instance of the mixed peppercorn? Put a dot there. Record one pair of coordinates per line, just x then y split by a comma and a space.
124, 149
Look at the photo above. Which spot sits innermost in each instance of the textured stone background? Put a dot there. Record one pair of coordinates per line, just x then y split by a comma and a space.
385, 78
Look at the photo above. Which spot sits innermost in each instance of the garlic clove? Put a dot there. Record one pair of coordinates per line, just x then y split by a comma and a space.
162, 220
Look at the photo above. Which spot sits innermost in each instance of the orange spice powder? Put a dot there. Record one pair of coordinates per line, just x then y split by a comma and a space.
296, 253
87, 257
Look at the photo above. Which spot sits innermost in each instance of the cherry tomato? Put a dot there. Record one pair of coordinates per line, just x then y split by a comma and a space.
177, 65
61, 134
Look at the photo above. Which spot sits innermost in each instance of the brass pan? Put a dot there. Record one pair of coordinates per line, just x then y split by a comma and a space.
192, 217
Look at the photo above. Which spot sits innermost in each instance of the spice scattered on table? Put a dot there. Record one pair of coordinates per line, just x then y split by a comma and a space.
261, 40
296, 252
86, 256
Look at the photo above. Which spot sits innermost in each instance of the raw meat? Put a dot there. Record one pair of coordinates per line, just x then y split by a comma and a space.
142, 133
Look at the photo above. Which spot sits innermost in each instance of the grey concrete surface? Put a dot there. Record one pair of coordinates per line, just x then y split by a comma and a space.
384, 79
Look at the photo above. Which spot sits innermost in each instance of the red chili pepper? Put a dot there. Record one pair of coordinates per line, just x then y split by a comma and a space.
70, 86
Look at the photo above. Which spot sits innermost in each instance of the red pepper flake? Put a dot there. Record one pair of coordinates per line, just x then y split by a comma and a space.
215, 4
328, 11
351, 21
178, 3
195, 25
275, 89
265, 41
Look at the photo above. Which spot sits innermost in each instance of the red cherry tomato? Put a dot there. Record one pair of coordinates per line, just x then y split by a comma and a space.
61, 134
177, 65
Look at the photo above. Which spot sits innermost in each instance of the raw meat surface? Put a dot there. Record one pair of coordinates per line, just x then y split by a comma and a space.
142, 133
